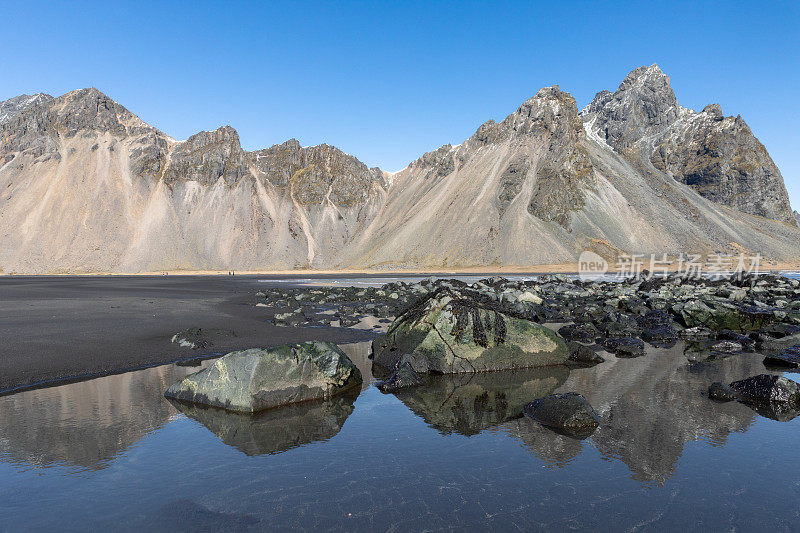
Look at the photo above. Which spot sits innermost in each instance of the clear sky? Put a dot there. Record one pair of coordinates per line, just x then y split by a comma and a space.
390, 81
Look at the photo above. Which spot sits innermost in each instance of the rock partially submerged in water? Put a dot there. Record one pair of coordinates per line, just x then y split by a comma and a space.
569, 413
403, 377
582, 354
626, 347
767, 388
788, 358
257, 379
451, 331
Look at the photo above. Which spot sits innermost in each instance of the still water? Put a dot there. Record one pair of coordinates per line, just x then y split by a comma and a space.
112, 453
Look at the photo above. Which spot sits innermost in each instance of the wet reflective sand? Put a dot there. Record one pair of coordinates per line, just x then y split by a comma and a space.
455, 453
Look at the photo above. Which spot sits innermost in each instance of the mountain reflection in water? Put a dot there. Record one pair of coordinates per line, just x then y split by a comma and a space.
86, 424
650, 408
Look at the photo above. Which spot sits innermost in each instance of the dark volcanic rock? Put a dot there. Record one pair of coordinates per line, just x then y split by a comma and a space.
191, 338
582, 354
585, 332
625, 347
569, 413
767, 388
789, 358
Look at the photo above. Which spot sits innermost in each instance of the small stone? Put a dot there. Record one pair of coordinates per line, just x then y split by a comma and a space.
726, 347
191, 338
696, 332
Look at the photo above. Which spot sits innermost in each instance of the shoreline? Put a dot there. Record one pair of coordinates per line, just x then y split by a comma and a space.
557, 268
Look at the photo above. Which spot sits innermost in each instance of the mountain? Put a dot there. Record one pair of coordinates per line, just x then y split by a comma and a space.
85, 185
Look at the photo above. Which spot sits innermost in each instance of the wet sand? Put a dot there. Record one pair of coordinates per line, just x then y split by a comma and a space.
56, 328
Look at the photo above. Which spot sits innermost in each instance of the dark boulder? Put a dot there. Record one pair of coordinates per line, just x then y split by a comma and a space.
659, 333
568, 413
625, 347
582, 354
788, 358
583, 332
767, 388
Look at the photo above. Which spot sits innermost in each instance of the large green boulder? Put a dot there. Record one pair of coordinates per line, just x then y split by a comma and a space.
450, 332
257, 379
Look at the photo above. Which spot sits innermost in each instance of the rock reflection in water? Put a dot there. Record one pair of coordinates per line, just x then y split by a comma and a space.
275, 430
469, 403
650, 408
86, 424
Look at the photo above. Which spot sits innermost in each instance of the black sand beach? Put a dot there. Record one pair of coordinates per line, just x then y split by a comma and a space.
56, 328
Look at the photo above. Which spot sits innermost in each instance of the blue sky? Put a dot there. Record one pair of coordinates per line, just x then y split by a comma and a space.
389, 81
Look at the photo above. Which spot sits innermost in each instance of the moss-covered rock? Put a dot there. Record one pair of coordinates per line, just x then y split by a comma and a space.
257, 379
450, 332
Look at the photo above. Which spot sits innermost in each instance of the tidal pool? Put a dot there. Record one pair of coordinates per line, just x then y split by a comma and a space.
112, 453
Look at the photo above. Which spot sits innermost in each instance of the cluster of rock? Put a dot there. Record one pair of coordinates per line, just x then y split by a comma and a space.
332, 306
494, 325
450, 327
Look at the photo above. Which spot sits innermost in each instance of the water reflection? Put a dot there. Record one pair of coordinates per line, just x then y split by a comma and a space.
275, 430
650, 407
89, 423
468, 404
85, 424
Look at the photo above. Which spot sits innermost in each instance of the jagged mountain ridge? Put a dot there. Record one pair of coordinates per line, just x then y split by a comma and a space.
85, 185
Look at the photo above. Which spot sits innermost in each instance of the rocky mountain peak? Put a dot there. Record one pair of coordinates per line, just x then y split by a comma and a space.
316, 174
207, 157
714, 111
719, 157
90, 109
14, 106
643, 105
